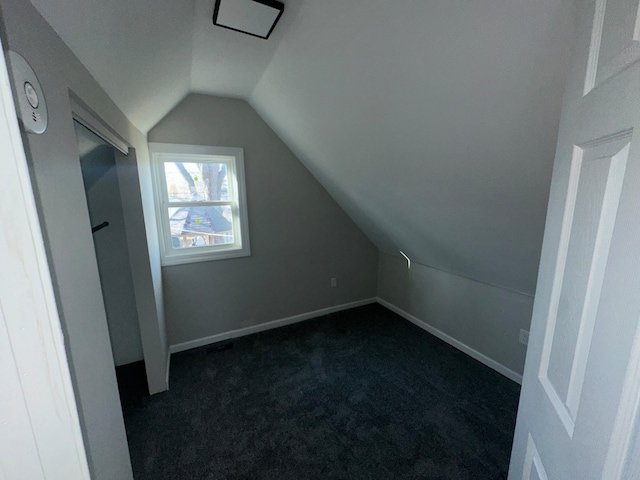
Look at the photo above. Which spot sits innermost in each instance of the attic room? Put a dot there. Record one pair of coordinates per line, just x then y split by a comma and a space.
365, 240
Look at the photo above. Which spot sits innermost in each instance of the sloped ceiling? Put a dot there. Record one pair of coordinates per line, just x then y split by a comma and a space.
228, 63
138, 50
433, 123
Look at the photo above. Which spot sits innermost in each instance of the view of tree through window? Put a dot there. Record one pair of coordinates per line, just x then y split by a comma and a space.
200, 202
201, 225
196, 181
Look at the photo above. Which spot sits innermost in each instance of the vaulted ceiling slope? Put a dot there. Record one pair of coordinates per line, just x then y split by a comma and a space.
148, 54
432, 122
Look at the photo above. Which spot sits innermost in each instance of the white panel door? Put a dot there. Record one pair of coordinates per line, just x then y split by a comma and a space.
581, 388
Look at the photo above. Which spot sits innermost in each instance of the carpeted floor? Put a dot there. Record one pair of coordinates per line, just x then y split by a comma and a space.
361, 394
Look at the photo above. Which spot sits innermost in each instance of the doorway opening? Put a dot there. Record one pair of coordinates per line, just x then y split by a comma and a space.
106, 212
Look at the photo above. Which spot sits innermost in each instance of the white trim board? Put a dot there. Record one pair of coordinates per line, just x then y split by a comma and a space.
168, 369
241, 332
83, 114
482, 358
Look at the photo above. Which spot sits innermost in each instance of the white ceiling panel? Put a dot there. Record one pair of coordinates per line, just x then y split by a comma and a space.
247, 16
230, 63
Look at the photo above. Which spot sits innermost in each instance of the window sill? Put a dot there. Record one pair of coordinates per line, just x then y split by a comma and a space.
171, 260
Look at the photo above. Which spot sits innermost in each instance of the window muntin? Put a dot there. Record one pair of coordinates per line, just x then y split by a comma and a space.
200, 201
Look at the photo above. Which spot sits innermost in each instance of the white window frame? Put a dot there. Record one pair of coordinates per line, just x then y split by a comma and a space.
161, 153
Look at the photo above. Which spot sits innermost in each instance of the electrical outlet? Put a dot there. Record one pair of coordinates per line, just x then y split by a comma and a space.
334, 282
524, 337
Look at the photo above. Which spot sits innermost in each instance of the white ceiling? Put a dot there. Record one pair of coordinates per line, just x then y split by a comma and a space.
229, 63
148, 54
138, 50
432, 122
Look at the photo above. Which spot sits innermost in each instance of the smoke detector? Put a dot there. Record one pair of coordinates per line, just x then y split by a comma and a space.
28, 95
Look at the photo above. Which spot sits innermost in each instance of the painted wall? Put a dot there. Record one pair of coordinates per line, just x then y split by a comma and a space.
136, 192
103, 199
57, 178
432, 123
484, 317
300, 237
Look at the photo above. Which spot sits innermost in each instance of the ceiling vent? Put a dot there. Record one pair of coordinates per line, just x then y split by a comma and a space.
253, 17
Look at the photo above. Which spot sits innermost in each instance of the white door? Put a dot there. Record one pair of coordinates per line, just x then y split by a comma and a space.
40, 435
579, 402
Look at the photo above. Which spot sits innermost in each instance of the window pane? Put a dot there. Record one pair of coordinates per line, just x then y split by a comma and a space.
189, 181
200, 226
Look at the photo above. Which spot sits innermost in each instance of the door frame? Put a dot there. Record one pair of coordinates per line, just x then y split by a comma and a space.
129, 186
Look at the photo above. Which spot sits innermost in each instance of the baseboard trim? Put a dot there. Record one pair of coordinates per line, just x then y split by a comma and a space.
168, 368
482, 358
241, 332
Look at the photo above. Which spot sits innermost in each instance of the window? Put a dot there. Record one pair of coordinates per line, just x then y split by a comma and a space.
200, 202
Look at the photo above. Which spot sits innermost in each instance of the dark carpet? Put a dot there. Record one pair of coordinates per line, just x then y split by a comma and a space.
361, 394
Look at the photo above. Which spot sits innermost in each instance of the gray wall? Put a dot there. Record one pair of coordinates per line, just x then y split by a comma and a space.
432, 123
300, 237
55, 169
103, 199
484, 317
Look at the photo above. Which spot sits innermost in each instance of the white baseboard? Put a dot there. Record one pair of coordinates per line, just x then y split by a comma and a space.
241, 332
489, 362
168, 367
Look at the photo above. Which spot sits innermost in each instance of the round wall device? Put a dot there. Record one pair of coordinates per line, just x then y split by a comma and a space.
28, 95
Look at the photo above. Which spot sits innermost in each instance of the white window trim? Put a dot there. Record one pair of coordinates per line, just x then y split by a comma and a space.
236, 179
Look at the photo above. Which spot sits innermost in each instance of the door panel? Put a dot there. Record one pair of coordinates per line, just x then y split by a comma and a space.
579, 404
595, 184
615, 40
533, 468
